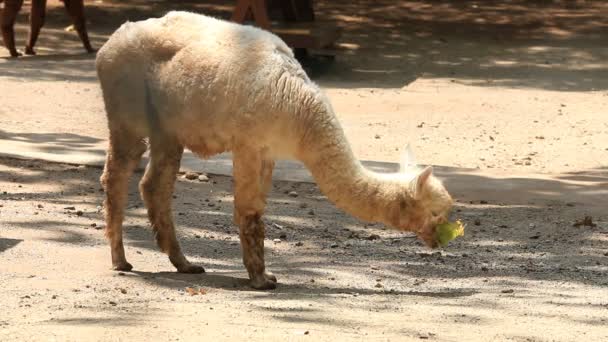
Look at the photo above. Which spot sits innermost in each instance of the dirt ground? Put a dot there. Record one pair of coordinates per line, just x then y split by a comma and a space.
510, 98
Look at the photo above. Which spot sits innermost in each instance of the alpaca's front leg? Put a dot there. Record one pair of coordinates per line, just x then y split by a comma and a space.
252, 176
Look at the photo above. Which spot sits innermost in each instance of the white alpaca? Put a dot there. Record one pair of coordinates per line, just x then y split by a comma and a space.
188, 80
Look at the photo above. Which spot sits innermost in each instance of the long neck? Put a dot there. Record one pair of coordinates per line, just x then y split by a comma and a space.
326, 152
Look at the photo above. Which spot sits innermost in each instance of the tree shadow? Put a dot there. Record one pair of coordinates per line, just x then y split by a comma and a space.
330, 247
119, 321
58, 147
520, 44
6, 244
553, 45
550, 249
56, 67
64, 142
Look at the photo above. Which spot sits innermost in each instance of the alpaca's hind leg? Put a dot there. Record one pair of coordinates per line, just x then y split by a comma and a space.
124, 153
252, 177
156, 188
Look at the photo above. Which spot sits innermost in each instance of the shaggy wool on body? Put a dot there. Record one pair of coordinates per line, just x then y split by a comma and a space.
188, 80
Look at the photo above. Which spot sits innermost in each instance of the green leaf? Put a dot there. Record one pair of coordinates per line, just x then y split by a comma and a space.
446, 232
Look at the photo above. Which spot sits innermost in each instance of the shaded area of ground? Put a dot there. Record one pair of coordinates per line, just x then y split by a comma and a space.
555, 45
515, 254
522, 272
530, 44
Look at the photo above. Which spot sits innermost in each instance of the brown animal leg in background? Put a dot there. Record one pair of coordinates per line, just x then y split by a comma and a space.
156, 188
252, 177
37, 15
124, 153
75, 9
7, 22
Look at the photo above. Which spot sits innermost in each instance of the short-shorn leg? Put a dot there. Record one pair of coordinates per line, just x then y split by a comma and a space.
124, 153
156, 188
252, 178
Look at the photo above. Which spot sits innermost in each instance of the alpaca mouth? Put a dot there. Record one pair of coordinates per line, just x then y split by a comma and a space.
429, 238
431, 242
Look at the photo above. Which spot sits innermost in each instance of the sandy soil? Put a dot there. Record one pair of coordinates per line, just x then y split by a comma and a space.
490, 87
509, 89
523, 274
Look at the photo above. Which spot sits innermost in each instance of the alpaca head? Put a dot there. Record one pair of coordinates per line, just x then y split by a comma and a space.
420, 203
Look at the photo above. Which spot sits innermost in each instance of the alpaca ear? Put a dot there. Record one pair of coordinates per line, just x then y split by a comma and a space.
420, 181
408, 160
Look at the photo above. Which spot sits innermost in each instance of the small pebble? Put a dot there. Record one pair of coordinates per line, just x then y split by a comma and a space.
203, 178
292, 194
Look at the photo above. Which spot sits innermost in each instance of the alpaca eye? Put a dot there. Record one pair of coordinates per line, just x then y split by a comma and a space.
434, 213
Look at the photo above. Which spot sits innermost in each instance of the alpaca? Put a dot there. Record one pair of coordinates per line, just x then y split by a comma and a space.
188, 80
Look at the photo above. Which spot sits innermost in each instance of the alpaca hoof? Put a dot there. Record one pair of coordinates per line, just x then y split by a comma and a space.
266, 282
122, 266
191, 269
